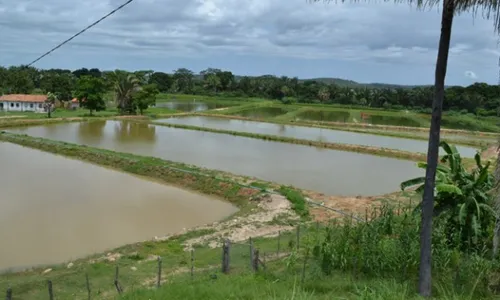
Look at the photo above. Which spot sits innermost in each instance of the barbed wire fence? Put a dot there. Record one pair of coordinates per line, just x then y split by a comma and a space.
231, 259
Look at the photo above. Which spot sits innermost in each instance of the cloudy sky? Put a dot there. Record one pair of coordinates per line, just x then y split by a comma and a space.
366, 42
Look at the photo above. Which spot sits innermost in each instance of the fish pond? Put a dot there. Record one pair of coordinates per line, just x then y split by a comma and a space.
310, 133
54, 209
327, 171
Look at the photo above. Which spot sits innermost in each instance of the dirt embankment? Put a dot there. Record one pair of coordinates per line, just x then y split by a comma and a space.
262, 222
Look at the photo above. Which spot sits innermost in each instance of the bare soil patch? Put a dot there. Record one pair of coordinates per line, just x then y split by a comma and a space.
257, 224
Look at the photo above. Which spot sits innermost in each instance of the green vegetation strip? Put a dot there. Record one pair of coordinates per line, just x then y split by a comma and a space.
393, 153
9, 123
22, 122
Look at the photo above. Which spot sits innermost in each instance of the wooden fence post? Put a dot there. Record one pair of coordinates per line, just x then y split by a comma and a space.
250, 244
9, 294
255, 262
158, 282
51, 293
279, 243
192, 263
304, 267
118, 287
225, 256
88, 285
298, 236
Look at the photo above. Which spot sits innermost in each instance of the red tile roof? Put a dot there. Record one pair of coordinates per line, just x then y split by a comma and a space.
23, 98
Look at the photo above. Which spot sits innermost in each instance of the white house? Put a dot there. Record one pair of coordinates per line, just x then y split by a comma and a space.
20, 102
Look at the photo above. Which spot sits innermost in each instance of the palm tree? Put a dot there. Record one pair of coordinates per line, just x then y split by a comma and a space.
49, 104
491, 9
124, 85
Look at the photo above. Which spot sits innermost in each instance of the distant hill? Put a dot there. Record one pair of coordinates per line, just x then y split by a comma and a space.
339, 82
345, 82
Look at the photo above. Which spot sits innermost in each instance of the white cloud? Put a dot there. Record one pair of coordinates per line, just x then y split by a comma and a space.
470, 74
337, 39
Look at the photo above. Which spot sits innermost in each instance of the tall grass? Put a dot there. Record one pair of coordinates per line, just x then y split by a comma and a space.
387, 246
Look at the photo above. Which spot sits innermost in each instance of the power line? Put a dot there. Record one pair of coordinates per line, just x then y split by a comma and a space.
82, 31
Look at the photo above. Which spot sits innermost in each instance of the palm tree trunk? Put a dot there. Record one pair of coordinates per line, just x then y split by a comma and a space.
425, 280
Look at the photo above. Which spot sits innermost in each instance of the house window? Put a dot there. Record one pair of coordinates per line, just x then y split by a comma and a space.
31, 105
12, 105
39, 106
17, 104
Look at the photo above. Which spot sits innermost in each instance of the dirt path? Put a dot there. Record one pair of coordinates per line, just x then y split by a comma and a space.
271, 207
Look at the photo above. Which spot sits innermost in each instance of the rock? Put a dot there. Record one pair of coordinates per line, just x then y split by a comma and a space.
70, 265
47, 271
111, 257
133, 268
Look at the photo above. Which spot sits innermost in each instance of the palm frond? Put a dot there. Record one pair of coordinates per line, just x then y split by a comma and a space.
412, 182
448, 188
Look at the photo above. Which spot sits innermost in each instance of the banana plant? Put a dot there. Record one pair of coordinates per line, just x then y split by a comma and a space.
461, 194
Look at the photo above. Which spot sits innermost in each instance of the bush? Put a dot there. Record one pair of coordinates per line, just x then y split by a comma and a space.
298, 201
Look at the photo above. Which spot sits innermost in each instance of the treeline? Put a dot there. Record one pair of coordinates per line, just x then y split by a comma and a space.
479, 98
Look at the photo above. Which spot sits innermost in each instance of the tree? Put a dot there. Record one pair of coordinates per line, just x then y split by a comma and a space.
162, 80
450, 8
89, 92
50, 103
212, 82
124, 85
145, 97
61, 84
184, 80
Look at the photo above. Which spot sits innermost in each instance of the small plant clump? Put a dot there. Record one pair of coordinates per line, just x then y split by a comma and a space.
298, 201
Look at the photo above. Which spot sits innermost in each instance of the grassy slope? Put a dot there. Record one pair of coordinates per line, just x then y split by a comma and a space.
275, 284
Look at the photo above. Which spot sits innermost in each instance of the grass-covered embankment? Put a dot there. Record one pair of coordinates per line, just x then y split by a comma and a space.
393, 153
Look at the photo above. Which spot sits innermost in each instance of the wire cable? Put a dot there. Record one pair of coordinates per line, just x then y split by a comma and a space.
82, 31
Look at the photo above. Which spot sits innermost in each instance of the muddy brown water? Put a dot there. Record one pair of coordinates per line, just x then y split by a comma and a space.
54, 209
328, 171
310, 133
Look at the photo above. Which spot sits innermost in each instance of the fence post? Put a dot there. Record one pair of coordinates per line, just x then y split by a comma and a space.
255, 262
88, 285
355, 267
279, 243
158, 282
225, 256
9, 294
298, 236
51, 293
304, 267
117, 283
192, 263
250, 244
